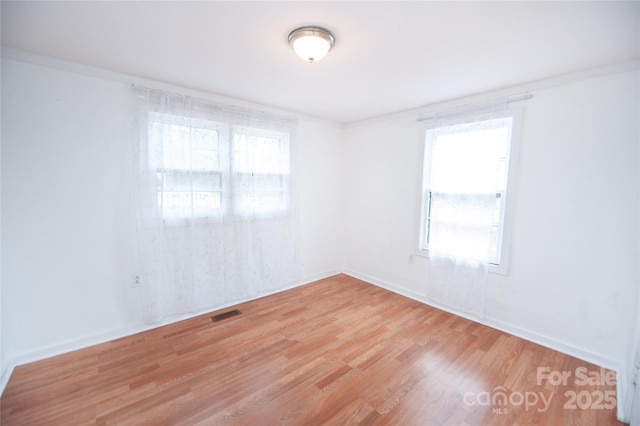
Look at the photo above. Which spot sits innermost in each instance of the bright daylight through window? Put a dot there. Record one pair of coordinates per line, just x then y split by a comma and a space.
466, 171
210, 169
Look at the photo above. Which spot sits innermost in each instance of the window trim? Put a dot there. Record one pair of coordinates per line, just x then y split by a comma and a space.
508, 196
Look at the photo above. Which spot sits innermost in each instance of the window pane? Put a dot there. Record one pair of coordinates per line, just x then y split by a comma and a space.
205, 149
206, 202
261, 192
469, 162
184, 180
260, 166
187, 158
465, 179
174, 205
259, 154
183, 147
464, 224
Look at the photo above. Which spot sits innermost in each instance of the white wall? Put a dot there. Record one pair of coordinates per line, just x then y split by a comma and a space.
319, 172
383, 189
575, 245
573, 277
66, 209
65, 227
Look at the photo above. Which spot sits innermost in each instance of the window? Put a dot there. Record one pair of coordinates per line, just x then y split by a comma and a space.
260, 169
187, 160
465, 183
210, 169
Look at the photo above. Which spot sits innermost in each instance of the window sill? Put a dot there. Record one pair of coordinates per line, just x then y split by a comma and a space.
500, 269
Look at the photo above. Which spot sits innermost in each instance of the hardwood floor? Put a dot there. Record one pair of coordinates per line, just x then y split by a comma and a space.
337, 351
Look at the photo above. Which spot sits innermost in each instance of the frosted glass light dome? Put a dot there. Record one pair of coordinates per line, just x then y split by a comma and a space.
311, 43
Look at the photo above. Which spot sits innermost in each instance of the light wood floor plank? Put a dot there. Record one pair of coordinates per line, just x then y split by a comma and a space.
337, 351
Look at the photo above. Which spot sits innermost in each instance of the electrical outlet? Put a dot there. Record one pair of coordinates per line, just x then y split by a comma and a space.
411, 259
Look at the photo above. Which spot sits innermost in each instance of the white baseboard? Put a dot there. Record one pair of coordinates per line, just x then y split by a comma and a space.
420, 297
7, 369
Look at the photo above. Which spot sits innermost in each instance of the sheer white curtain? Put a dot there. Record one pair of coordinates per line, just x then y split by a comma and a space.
215, 219
465, 181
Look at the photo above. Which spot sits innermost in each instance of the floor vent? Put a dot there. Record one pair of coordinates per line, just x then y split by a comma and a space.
225, 315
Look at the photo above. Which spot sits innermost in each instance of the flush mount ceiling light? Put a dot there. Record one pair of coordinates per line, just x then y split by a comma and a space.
311, 43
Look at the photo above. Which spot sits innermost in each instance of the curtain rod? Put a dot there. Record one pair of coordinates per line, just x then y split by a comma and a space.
473, 106
225, 109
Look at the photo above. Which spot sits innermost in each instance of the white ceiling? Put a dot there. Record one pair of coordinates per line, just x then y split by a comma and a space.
388, 56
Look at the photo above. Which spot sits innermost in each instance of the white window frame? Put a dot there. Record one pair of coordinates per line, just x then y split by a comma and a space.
500, 264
